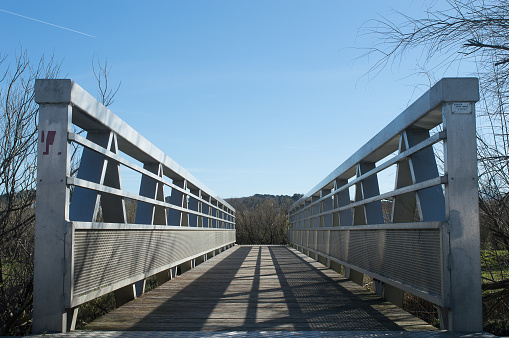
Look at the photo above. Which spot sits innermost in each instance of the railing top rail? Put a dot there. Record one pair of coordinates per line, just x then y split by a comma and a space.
92, 115
425, 112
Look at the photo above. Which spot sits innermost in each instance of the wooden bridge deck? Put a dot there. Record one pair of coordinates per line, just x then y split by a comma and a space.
259, 288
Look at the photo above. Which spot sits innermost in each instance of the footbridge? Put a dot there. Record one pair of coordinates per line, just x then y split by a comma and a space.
419, 236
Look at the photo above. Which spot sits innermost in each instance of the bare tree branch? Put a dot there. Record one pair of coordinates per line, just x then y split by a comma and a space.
476, 31
106, 94
18, 147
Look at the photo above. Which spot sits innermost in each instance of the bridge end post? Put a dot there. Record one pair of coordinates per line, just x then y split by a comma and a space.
463, 291
51, 295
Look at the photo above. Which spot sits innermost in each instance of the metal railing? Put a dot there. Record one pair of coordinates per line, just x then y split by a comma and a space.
86, 245
422, 236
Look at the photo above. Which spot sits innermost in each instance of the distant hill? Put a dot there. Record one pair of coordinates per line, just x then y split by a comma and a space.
251, 201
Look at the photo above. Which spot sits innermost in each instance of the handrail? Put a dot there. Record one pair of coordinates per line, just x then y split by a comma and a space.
89, 114
356, 233
91, 145
86, 245
425, 113
400, 157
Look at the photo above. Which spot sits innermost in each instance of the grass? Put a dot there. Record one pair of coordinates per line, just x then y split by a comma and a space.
100, 306
494, 265
95, 309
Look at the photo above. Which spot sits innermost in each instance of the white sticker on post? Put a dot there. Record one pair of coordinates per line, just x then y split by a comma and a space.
461, 108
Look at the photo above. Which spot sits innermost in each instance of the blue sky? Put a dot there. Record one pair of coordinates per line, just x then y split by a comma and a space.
249, 96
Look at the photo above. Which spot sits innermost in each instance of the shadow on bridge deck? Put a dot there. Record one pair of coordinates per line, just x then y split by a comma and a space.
251, 288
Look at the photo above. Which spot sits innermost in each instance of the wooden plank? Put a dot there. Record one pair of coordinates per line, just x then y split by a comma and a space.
259, 288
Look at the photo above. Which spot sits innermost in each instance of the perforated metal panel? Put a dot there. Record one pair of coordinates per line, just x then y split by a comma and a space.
409, 256
323, 241
295, 236
105, 257
312, 239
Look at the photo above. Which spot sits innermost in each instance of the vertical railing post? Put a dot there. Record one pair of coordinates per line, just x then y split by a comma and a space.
315, 209
341, 199
307, 225
175, 217
205, 210
326, 205
464, 312
213, 213
148, 188
298, 213
194, 205
51, 292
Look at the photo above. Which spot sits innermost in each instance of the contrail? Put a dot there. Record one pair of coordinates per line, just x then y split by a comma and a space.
47, 23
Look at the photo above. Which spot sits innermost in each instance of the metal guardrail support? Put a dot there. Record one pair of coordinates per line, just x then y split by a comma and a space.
427, 243
84, 245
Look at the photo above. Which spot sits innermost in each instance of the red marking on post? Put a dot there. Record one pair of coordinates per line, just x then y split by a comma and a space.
49, 140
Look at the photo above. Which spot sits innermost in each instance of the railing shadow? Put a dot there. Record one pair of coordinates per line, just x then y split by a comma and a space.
324, 303
198, 299
278, 290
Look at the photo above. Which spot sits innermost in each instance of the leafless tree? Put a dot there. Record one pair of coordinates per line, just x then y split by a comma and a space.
262, 219
18, 147
106, 94
474, 32
18, 155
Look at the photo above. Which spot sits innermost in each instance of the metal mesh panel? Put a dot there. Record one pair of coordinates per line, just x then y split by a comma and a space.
104, 257
297, 236
408, 256
312, 239
323, 242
